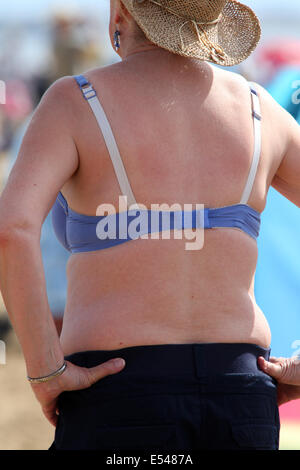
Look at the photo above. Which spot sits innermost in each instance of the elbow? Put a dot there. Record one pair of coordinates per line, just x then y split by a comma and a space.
16, 234
6, 235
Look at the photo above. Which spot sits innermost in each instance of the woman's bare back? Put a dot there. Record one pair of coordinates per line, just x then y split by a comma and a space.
185, 133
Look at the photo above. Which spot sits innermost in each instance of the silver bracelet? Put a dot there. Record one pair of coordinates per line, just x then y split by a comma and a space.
46, 378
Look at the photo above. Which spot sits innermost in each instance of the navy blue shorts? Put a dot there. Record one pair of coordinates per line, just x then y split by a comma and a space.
173, 397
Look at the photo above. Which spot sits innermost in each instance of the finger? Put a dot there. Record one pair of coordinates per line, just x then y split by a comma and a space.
107, 368
277, 360
272, 369
274, 360
51, 416
281, 394
280, 400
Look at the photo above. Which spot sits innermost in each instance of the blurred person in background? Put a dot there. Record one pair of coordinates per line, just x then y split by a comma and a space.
68, 41
186, 322
17, 106
73, 45
275, 55
5, 131
67, 50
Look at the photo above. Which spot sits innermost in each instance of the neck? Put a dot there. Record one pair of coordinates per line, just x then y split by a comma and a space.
128, 50
162, 59
145, 52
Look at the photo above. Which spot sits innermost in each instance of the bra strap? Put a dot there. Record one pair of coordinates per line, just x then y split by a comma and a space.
90, 95
256, 113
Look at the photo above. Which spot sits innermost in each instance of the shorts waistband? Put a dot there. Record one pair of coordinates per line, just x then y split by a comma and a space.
201, 359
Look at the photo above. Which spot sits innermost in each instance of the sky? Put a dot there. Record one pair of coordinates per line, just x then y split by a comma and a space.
278, 18
36, 9
33, 9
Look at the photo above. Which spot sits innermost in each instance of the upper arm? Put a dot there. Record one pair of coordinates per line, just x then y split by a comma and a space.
47, 159
287, 178
284, 131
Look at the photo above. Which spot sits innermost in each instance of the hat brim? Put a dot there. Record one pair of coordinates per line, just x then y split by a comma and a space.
237, 33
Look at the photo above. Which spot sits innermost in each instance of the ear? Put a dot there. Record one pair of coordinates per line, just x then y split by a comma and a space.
123, 13
119, 13
124, 10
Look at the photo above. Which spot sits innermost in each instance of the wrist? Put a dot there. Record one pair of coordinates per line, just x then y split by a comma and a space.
45, 363
48, 377
53, 387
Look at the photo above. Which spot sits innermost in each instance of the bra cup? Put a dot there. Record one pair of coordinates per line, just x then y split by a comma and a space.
59, 223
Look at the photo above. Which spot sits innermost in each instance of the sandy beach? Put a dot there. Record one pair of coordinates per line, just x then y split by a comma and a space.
22, 423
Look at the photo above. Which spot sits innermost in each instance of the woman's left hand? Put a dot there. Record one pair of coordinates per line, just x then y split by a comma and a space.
73, 378
286, 371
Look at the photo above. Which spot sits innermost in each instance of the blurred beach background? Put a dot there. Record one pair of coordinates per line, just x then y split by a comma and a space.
43, 40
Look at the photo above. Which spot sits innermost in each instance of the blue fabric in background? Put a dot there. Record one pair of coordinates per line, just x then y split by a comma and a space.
283, 89
277, 280
55, 258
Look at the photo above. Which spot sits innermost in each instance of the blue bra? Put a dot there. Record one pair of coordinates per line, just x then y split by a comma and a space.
82, 233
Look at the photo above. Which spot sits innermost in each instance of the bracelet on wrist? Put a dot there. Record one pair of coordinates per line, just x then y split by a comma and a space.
46, 378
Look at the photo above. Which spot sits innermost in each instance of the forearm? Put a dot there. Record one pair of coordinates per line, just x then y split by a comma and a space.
23, 287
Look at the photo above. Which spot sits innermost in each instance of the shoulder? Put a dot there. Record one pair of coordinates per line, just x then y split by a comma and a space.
234, 87
276, 121
60, 103
273, 109
109, 76
273, 114
67, 89
284, 132
281, 123
63, 101
61, 91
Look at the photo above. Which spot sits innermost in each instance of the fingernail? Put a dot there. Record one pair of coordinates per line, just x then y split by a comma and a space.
263, 362
119, 362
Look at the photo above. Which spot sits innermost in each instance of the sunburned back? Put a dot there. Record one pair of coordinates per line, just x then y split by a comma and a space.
185, 135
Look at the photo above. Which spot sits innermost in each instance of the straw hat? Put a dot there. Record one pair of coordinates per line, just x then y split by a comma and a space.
224, 32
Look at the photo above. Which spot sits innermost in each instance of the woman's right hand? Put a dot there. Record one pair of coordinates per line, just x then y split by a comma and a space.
73, 378
286, 371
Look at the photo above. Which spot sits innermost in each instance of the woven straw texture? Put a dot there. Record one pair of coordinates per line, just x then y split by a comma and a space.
175, 25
